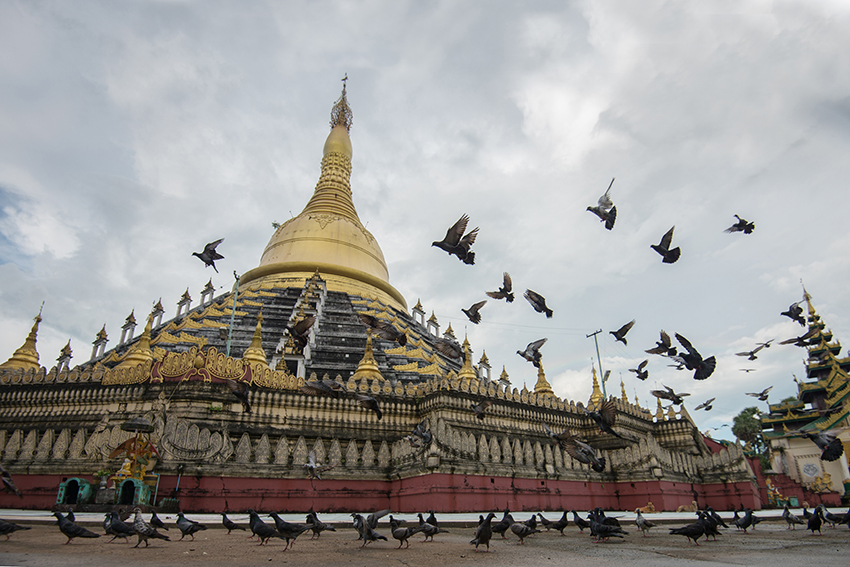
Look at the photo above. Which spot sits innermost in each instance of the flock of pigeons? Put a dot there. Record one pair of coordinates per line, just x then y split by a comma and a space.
601, 527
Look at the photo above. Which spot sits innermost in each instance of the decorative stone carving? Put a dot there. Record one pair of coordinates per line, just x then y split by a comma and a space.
352, 457
335, 453
299, 453
384, 455
368, 454
243, 449
42, 452
281, 452
262, 452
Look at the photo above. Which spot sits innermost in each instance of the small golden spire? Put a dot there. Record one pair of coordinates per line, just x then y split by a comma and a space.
341, 114
484, 359
26, 357
596, 396
623, 390
466, 371
368, 367
542, 386
503, 377
141, 351
255, 354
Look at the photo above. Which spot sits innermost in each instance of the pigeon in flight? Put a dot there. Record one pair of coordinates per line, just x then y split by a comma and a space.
314, 469
209, 255
239, 389
480, 408
693, 360
383, 329
605, 209
742, 225
828, 442
605, 417
456, 243
532, 352
664, 346
582, 452
299, 331
538, 302
620, 334
751, 354
641, 373
449, 348
803, 340
668, 256
795, 312
473, 313
706, 405
8, 483
669, 394
325, 387
420, 435
505, 292
369, 403
762, 396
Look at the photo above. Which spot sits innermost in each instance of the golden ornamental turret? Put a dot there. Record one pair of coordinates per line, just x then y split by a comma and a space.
255, 354
141, 351
328, 236
26, 356
368, 366
542, 387
467, 372
596, 397
623, 391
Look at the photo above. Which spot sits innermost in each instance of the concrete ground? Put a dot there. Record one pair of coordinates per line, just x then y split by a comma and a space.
770, 544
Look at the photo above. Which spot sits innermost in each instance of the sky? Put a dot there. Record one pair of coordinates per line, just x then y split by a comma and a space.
133, 133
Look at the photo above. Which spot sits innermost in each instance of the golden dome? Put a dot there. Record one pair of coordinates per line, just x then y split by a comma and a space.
328, 236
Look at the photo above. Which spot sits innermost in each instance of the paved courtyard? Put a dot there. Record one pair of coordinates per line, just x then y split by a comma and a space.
771, 544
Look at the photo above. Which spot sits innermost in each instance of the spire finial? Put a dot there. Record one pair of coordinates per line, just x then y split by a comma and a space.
341, 113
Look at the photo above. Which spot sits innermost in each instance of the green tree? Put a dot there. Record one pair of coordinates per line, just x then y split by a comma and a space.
746, 426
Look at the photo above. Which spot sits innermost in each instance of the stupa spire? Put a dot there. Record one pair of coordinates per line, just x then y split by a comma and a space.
26, 356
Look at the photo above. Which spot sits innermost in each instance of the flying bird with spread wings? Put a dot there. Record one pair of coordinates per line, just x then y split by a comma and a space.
314, 469
605, 208
664, 346
474, 312
479, 409
803, 340
828, 442
706, 405
369, 403
620, 334
669, 394
694, 361
300, 331
532, 352
640, 371
795, 313
449, 348
762, 396
209, 255
383, 329
538, 302
742, 225
458, 244
506, 291
668, 256
751, 354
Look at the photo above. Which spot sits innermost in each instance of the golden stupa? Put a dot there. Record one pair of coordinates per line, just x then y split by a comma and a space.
328, 236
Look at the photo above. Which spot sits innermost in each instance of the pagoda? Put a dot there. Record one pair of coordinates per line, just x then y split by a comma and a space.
822, 403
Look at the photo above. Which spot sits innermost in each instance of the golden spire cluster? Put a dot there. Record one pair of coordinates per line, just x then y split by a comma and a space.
341, 113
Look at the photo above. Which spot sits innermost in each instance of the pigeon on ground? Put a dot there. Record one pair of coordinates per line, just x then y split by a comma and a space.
641, 374
262, 530
792, 520
795, 313
449, 348
694, 361
828, 442
72, 530
8, 484
144, 530
188, 527
240, 389
474, 312
383, 329
620, 334
532, 352
580, 522
669, 394
288, 530
668, 256
604, 531
605, 208
742, 225
314, 469
209, 255
367, 532
480, 408
706, 405
229, 524
522, 531
402, 534
113, 526
484, 532
8, 528
664, 346
829, 517
746, 521
431, 519
531, 522
369, 403
458, 244
504, 524
762, 396
815, 522
545, 522
429, 530
300, 331
559, 525
156, 522
317, 526
642, 523
538, 302
692, 531
325, 387
505, 292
